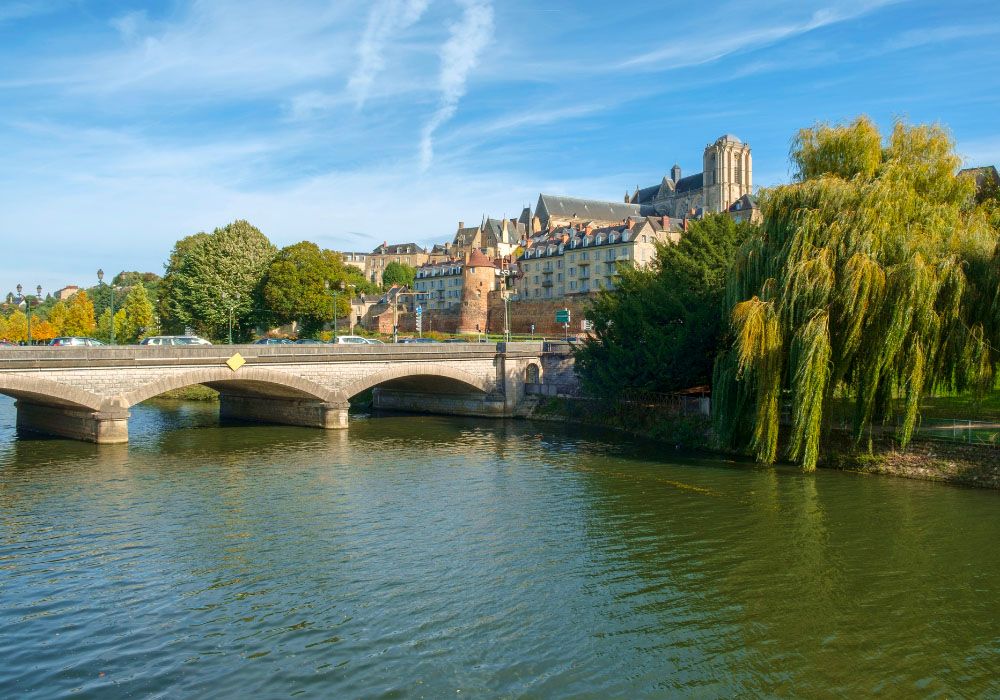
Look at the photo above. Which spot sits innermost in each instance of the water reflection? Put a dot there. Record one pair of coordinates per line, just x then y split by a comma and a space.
419, 556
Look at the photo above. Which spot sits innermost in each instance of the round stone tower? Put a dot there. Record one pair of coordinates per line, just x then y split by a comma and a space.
478, 280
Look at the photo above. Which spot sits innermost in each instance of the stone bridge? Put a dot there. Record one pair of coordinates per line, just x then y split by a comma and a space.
86, 393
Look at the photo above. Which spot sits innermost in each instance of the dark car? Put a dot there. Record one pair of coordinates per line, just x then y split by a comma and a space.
417, 340
309, 341
273, 341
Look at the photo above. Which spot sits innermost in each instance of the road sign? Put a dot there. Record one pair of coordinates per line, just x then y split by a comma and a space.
420, 309
562, 316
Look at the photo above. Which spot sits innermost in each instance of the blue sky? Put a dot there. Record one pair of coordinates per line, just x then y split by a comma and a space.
124, 126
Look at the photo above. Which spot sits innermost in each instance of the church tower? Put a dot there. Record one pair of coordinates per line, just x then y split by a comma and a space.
728, 173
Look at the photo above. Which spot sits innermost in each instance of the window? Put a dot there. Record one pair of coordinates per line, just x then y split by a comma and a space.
572, 272
572, 284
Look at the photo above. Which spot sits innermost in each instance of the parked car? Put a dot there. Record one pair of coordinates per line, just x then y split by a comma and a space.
75, 341
417, 340
5, 342
309, 341
173, 340
374, 341
273, 341
350, 340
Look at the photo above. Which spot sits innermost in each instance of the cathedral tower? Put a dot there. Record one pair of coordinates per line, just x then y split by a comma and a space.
728, 173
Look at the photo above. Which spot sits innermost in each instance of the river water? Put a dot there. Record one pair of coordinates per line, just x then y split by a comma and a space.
442, 557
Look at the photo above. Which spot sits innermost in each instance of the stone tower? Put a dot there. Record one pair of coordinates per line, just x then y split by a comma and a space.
728, 173
478, 280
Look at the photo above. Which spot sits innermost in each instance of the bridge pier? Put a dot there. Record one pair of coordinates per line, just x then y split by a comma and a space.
306, 413
105, 427
488, 406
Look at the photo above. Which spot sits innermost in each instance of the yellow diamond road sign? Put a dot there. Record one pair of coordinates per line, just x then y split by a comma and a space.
235, 362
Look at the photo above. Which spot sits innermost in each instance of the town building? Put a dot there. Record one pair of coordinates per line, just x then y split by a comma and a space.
570, 260
494, 238
66, 292
405, 253
357, 260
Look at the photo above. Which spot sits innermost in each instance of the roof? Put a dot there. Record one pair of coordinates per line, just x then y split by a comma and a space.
728, 138
691, 182
477, 259
981, 173
585, 209
391, 248
645, 195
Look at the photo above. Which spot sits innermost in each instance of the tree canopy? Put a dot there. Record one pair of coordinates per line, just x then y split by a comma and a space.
659, 328
299, 285
209, 273
399, 274
873, 277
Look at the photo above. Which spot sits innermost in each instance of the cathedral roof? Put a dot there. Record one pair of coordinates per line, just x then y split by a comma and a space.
586, 209
645, 195
728, 138
691, 182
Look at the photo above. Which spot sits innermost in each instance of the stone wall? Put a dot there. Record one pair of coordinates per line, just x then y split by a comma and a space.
541, 313
558, 365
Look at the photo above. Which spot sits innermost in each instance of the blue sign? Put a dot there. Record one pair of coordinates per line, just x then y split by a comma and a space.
420, 309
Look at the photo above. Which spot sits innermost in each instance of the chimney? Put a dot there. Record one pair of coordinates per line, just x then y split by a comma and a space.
629, 223
587, 230
461, 224
675, 173
666, 223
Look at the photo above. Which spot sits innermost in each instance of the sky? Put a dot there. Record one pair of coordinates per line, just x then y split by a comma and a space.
125, 126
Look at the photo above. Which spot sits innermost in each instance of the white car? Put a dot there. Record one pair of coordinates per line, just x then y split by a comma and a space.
174, 340
350, 340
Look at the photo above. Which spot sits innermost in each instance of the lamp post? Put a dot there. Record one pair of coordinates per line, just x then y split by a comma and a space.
395, 311
231, 306
21, 300
111, 287
336, 289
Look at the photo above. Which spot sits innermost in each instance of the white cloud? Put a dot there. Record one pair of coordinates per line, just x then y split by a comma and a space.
704, 48
459, 56
386, 20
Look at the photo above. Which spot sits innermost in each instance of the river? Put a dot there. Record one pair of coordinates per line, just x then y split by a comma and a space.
415, 556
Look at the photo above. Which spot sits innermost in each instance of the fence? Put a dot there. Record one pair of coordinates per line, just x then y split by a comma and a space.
968, 432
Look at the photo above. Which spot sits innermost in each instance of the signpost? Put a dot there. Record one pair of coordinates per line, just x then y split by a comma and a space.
420, 318
563, 317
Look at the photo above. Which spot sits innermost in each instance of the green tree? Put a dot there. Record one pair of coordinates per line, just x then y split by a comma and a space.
103, 332
398, 273
299, 285
862, 281
79, 318
659, 328
139, 318
207, 272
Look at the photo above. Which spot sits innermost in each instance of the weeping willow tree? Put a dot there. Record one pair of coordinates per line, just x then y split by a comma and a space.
874, 278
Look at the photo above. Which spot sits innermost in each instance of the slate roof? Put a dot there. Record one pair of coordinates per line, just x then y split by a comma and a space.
689, 183
645, 195
403, 248
586, 209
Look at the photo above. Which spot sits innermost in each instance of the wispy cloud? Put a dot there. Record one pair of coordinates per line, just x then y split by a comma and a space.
386, 19
701, 49
923, 37
459, 56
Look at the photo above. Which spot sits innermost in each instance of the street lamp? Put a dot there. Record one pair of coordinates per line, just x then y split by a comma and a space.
335, 289
111, 287
231, 306
21, 300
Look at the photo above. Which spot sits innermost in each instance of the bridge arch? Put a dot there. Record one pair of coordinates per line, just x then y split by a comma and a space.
47, 392
252, 380
467, 380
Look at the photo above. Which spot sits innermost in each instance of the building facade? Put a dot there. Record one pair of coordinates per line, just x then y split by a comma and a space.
356, 260
405, 253
571, 260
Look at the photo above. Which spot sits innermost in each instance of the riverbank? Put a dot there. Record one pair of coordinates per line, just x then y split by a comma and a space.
969, 465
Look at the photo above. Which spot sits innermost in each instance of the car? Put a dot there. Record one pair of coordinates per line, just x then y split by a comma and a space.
374, 341
421, 341
76, 341
6, 343
174, 340
350, 340
273, 341
309, 341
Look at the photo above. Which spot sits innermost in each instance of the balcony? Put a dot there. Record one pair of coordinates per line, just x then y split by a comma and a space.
546, 283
